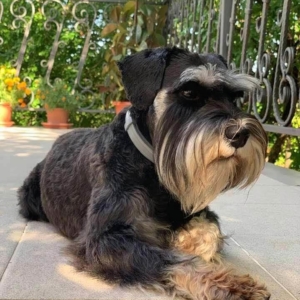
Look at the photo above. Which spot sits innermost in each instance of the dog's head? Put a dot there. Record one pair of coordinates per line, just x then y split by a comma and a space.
203, 144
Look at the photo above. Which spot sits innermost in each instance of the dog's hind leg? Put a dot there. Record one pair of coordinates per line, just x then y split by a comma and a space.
29, 195
201, 236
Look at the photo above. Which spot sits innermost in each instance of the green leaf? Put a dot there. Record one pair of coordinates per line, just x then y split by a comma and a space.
115, 14
150, 26
143, 45
138, 33
117, 57
129, 7
140, 20
159, 39
147, 10
109, 28
145, 35
162, 15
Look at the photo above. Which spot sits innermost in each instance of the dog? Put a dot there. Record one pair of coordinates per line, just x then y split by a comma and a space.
134, 195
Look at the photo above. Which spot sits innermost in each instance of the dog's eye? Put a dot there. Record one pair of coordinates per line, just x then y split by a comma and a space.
190, 95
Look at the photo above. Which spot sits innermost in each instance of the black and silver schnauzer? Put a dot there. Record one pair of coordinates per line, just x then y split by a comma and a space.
133, 195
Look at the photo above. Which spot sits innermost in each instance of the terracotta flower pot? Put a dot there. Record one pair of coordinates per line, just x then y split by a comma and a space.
57, 118
120, 105
5, 115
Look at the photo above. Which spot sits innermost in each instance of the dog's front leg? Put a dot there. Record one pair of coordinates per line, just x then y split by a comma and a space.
120, 242
201, 236
120, 245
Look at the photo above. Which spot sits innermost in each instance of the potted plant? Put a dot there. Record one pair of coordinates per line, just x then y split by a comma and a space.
113, 87
59, 102
132, 27
13, 92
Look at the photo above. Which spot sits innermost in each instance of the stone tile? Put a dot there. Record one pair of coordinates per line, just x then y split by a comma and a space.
262, 219
11, 228
279, 255
39, 270
233, 196
286, 176
283, 195
262, 194
234, 256
265, 180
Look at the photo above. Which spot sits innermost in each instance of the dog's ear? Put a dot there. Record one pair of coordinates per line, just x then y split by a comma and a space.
142, 75
221, 58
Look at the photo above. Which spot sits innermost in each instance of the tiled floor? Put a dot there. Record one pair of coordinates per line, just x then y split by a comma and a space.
263, 223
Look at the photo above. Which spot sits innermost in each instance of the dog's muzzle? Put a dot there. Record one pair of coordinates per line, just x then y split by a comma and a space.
236, 136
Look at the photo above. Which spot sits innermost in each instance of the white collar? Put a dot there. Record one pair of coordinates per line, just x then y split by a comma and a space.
137, 137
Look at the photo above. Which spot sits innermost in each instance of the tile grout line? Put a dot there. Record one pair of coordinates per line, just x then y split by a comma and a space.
2, 276
263, 268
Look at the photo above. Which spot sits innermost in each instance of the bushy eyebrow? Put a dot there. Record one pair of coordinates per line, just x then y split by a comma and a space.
212, 77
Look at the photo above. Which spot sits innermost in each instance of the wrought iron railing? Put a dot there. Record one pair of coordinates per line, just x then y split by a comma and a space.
260, 37
81, 17
257, 37
27, 20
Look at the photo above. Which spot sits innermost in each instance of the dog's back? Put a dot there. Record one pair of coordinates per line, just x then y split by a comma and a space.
56, 174
143, 218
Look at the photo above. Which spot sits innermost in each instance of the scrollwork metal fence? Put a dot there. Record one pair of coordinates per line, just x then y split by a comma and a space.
260, 37
36, 34
43, 32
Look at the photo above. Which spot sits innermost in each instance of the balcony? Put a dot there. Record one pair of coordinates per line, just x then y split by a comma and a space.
262, 223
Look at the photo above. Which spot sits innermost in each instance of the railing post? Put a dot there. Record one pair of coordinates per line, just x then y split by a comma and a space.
225, 10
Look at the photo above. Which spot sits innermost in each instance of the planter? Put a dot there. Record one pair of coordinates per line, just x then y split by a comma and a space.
5, 115
120, 105
57, 118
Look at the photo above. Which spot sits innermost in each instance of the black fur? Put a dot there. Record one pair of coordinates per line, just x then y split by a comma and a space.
92, 194
98, 189
32, 209
144, 73
148, 66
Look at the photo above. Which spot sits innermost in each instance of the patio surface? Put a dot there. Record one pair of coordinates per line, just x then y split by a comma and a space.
263, 222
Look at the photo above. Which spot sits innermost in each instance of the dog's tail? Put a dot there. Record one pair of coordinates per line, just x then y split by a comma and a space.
29, 195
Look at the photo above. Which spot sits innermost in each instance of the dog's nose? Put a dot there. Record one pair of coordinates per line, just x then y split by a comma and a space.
237, 136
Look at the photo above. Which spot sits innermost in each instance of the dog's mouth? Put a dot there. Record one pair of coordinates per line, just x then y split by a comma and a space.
222, 158
233, 155
225, 158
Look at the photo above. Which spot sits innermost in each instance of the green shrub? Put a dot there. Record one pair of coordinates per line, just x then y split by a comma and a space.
26, 118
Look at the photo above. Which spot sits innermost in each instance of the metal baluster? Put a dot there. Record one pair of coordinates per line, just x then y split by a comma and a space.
210, 20
187, 34
181, 23
84, 20
52, 19
1, 14
20, 15
245, 31
200, 24
284, 90
219, 34
194, 24
224, 26
229, 37
263, 95
246, 64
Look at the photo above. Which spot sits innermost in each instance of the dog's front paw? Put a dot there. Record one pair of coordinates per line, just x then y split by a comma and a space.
202, 238
211, 282
235, 287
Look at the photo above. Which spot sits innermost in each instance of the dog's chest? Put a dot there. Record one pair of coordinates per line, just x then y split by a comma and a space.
165, 207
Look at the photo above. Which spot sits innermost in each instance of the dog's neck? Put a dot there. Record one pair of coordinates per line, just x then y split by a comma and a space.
137, 138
